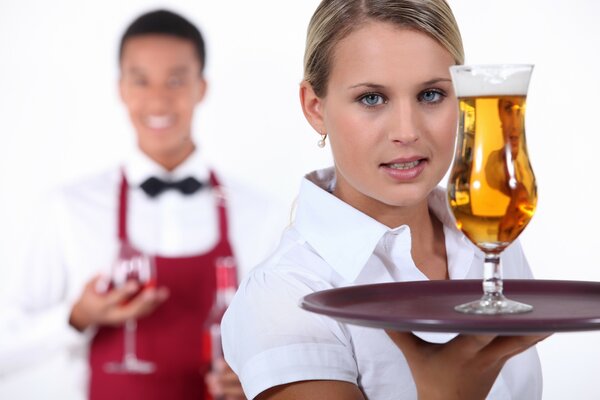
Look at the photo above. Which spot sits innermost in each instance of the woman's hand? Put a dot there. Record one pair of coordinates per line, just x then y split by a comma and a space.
465, 368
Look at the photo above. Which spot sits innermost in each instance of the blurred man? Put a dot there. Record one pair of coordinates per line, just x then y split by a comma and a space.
164, 201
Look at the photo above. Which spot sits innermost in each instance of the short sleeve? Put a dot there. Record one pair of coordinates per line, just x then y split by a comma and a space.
269, 340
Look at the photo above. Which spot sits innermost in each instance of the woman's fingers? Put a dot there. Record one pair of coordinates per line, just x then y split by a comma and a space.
469, 344
504, 347
410, 345
465, 367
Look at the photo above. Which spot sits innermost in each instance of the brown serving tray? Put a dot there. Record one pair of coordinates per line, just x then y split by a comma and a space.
428, 306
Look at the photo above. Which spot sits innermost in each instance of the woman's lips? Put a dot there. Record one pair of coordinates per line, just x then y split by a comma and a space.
405, 170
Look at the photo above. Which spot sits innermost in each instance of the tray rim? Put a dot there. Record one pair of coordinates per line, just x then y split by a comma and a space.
493, 324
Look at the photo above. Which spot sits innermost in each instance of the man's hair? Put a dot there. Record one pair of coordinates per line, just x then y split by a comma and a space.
163, 22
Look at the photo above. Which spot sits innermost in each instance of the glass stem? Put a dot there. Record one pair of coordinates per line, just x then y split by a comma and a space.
492, 277
130, 329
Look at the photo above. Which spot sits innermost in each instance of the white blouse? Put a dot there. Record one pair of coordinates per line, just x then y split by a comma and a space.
269, 340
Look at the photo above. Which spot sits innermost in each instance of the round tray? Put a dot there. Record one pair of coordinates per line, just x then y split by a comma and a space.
428, 306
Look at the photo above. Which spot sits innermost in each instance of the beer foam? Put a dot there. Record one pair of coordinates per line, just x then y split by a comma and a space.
490, 80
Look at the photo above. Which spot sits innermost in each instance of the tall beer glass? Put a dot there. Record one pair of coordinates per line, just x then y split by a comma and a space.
492, 190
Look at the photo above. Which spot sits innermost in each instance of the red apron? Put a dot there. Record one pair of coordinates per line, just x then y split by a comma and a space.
171, 337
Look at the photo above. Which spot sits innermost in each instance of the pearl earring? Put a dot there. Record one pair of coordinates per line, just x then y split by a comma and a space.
321, 142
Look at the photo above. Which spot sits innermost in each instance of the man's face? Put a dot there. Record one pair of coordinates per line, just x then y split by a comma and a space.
161, 83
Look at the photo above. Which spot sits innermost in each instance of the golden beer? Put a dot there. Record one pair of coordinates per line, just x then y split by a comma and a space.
492, 190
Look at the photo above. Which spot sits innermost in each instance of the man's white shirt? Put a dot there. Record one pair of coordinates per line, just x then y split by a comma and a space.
75, 237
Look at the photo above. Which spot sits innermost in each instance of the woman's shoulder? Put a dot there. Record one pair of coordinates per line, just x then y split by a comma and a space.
265, 330
294, 267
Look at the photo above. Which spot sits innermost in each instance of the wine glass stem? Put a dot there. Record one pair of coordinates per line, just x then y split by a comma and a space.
130, 330
492, 277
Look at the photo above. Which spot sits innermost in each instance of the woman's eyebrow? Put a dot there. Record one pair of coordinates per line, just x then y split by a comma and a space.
377, 86
436, 80
368, 85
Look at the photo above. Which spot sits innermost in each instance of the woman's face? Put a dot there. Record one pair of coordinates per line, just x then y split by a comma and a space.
390, 113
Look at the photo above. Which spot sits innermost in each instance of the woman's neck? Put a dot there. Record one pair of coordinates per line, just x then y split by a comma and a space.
429, 249
427, 233
428, 245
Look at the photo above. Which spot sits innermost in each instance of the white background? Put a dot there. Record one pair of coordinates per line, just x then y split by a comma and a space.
60, 117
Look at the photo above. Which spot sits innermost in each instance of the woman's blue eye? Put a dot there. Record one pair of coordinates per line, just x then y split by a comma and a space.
372, 100
431, 96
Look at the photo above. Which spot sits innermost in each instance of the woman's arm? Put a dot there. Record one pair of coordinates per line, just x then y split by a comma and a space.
462, 369
314, 390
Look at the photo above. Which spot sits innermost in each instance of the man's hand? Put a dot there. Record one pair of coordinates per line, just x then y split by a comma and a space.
223, 383
114, 306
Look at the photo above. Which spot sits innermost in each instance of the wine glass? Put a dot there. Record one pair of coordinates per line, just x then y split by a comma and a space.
492, 189
132, 265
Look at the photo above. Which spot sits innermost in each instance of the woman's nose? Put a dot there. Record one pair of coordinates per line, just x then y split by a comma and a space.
404, 126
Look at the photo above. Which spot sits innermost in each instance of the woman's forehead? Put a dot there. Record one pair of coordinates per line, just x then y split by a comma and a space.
379, 49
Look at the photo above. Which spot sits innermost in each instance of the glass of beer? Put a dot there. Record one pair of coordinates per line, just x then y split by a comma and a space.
492, 190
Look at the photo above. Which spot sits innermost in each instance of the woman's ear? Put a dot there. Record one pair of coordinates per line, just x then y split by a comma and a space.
312, 106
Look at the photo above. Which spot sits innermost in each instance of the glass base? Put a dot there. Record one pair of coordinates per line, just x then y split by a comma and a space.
130, 366
494, 305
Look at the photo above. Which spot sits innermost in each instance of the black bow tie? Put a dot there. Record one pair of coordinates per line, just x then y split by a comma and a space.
154, 186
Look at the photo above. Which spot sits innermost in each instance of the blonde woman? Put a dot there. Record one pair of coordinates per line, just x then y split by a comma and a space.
377, 89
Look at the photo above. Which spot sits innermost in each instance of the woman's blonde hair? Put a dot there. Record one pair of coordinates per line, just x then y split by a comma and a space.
335, 19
